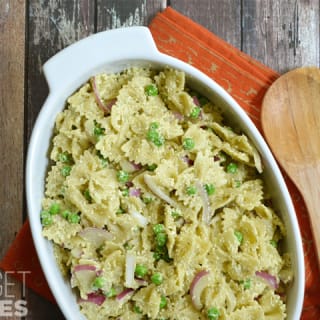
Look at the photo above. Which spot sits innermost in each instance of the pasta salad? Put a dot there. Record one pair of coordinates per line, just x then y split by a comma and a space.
157, 208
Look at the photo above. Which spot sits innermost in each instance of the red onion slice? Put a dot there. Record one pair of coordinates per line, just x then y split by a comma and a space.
141, 282
136, 166
111, 103
187, 160
125, 293
134, 192
270, 279
95, 298
178, 116
196, 101
104, 108
199, 283
84, 267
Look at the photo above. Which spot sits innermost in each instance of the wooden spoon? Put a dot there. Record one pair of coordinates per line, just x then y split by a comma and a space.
291, 124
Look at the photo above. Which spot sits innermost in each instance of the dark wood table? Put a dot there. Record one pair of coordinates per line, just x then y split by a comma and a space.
283, 34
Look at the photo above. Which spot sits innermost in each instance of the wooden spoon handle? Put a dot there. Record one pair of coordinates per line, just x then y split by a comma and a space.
309, 185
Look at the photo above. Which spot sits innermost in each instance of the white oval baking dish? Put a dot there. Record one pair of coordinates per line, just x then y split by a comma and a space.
113, 51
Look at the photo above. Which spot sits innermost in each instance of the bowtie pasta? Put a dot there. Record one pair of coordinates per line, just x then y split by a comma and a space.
157, 208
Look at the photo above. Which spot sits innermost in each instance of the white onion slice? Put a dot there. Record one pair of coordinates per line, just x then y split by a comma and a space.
257, 160
96, 236
270, 279
206, 211
199, 283
95, 298
157, 191
130, 268
125, 293
139, 218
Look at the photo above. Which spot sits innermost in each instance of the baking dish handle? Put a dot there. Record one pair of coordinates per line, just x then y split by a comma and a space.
79, 61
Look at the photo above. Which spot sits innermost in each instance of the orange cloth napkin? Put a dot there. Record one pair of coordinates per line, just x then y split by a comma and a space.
247, 81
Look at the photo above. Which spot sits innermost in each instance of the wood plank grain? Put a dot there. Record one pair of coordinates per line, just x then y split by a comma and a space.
53, 25
221, 17
12, 47
283, 34
122, 13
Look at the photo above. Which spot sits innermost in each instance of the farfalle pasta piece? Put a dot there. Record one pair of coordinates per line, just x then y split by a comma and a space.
84, 103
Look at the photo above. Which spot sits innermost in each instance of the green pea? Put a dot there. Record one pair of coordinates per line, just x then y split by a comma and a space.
158, 228
123, 176
195, 113
151, 90
232, 168
155, 137
65, 214
191, 190
140, 270
46, 218
188, 144
157, 278
65, 157
210, 189
213, 313
54, 208
65, 171
98, 283
163, 302
161, 239
73, 218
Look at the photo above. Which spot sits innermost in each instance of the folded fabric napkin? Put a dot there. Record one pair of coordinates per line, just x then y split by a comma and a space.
247, 81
